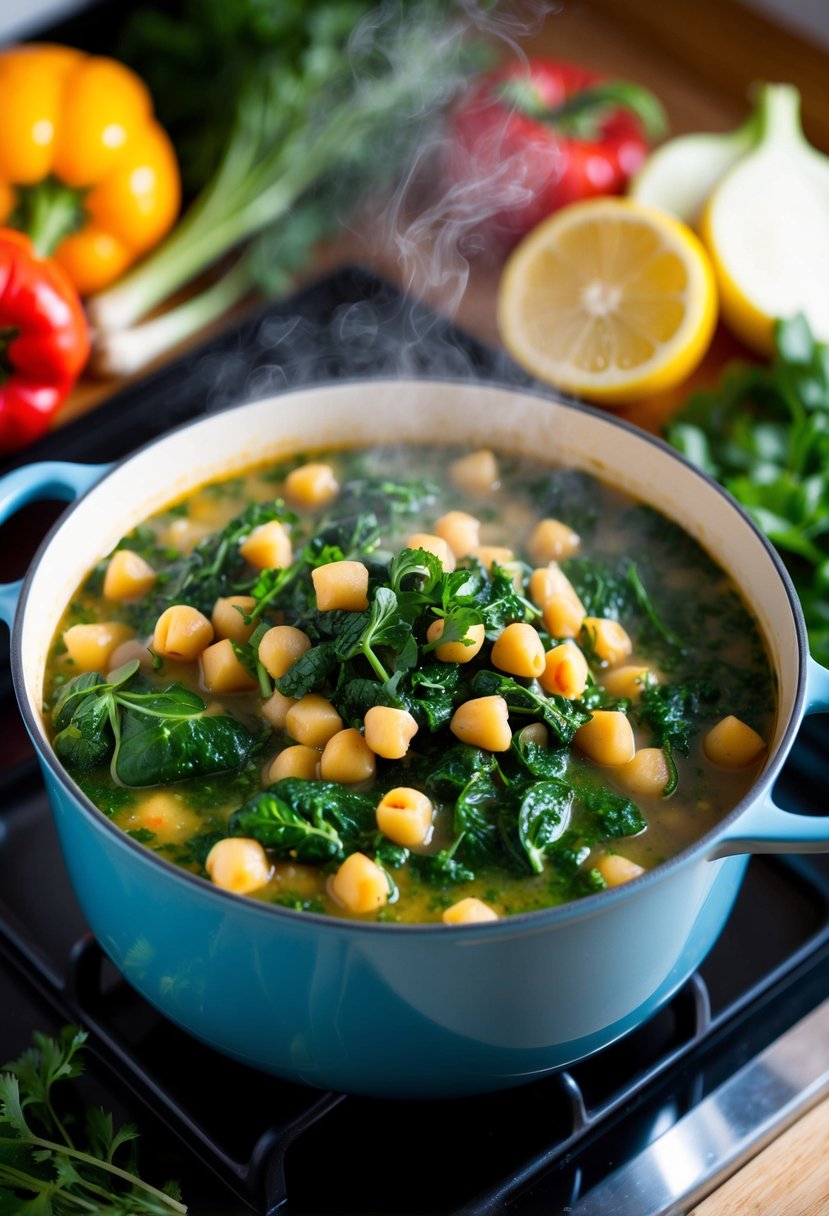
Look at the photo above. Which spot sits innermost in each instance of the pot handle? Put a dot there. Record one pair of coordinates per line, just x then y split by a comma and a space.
766, 827
47, 479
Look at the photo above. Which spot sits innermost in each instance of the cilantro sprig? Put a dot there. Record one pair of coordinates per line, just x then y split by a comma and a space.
46, 1165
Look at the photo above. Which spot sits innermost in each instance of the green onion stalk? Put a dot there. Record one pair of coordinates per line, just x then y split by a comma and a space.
300, 149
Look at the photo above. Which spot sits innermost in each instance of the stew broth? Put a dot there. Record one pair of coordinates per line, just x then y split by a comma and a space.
659, 650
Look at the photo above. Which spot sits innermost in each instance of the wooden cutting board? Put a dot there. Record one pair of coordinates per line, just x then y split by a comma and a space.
788, 1178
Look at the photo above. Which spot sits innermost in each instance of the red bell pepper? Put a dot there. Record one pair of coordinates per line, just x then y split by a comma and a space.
44, 340
530, 138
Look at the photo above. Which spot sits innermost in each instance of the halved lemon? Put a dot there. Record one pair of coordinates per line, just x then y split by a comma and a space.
608, 299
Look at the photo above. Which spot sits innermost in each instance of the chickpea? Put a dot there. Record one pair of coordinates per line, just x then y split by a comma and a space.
360, 885
608, 639
296, 761
562, 617
519, 650
128, 576
127, 651
460, 531
647, 773
433, 544
311, 485
456, 652
607, 739
313, 720
616, 869
221, 670
268, 546
280, 648
565, 671
551, 540
341, 585
733, 744
238, 864
275, 709
536, 733
226, 617
389, 731
405, 816
468, 911
628, 681
476, 473
483, 722
182, 633
90, 646
347, 758
549, 581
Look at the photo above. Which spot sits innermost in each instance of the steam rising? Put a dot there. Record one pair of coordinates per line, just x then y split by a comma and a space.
423, 234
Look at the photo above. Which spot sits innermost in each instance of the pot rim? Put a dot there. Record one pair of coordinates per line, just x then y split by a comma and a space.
539, 919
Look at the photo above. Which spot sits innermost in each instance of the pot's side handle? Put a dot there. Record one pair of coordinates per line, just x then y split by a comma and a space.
766, 827
48, 479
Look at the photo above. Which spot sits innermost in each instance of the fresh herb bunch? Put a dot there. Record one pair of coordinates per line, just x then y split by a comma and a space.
764, 434
288, 113
48, 1167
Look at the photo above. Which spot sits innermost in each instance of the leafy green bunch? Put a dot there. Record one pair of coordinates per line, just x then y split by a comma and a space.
763, 432
148, 735
48, 1167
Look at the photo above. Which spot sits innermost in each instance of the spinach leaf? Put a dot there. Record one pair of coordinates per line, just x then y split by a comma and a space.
543, 815
313, 821
475, 822
562, 716
456, 767
614, 815
501, 604
674, 711
151, 735
167, 736
431, 692
310, 671
441, 868
539, 761
88, 739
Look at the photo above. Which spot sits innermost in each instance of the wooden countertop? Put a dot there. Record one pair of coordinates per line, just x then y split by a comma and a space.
701, 58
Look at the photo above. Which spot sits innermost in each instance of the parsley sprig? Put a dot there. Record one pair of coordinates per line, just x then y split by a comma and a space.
763, 432
45, 1168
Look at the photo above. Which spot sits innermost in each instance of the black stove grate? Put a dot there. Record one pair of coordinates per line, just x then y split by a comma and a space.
237, 1136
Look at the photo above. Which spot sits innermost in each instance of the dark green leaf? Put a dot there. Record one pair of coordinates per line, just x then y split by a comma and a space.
563, 717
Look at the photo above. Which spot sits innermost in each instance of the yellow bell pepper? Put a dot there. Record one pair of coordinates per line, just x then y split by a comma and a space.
85, 169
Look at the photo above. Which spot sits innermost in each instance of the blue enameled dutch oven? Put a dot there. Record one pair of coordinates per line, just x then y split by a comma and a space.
383, 1009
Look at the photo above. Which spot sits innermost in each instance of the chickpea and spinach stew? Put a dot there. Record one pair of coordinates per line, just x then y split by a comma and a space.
410, 685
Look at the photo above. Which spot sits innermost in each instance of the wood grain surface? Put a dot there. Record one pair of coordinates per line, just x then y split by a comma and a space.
788, 1178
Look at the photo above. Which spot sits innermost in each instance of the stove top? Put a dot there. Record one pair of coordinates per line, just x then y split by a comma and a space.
642, 1129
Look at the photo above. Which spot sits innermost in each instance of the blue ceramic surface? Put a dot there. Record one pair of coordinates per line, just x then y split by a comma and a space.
391, 1010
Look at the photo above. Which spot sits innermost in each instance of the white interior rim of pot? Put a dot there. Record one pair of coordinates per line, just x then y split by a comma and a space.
366, 412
